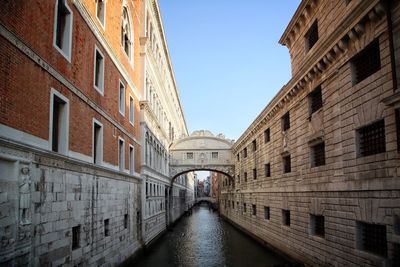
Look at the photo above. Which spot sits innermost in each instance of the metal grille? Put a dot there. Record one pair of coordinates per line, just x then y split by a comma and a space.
286, 164
398, 128
372, 139
312, 35
319, 225
373, 238
267, 137
254, 174
286, 217
366, 62
254, 210
286, 121
316, 99
318, 155
268, 170
214, 155
76, 232
266, 213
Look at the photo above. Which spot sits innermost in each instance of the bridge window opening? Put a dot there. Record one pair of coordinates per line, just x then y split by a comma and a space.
107, 227
286, 122
318, 155
214, 155
254, 145
254, 210
189, 155
286, 217
267, 136
317, 224
245, 152
255, 174
267, 168
371, 139
372, 238
286, 164
266, 213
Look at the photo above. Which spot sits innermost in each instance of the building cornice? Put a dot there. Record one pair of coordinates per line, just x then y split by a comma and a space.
325, 55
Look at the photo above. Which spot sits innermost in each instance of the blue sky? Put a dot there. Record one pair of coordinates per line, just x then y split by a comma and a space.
227, 61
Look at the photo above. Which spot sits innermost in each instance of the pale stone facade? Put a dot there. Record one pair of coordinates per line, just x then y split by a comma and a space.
305, 183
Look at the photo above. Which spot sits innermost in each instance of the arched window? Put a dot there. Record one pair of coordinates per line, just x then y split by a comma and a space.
126, 33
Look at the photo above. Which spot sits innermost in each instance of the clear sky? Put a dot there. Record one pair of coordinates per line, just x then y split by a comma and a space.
227, 61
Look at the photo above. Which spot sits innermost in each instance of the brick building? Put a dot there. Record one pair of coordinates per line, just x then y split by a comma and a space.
317, 172
71, 81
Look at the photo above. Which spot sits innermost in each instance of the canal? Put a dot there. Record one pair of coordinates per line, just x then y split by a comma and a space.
205, 239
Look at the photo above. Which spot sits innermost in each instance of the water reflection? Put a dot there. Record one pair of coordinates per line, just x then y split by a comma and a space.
205, 239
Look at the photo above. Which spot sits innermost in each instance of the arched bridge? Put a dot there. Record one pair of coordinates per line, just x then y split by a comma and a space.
211, 200
202, 151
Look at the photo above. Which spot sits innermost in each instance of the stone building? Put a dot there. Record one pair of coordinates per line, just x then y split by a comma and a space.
162, 121
317, 172
69, 131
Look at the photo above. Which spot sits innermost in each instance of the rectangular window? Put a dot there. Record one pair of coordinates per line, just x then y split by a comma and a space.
97, 143
189, 155
254, 210
317, 224
63, 29
315, 100
238, 157
131, 110
267, 136
245, 152
126, 221
254, 145
245, 176
244, 208
366, 62
267, 170
76, 233
59, 123
286, 122
131, 159
121, 154
286, 217
372, 139
398, 128
238, 178
107, 227
214, 155
98, 71
311, 36
121, 98
233, 204
286, 164
372, 238
318, 155
101, 10
254, 173
266, 213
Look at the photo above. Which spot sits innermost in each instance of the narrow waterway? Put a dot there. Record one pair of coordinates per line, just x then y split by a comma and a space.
205, 239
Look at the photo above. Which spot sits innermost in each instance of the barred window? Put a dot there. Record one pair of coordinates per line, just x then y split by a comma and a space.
286, 164
245, 152
286, 121
318, 155
254, 210
214, 155
286, 217
366, 62
372, 238
372, 139
267, 170
76, 233
254, 173
266, 213
311, 36
267, 136
317, 223
315, 98
233, 204
189, 155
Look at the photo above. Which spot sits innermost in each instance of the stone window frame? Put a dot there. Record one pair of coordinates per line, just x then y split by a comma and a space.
286, 217
66, 50
315, 225
285, 121
286, 158
102, 18
267, 213
371, 50
315, 100
254, 145
317, 161
126, 221
267, 135
121, 156
359, 138
214, 155
267, 169
363, 241
308, 40
121, 98
76, 237
131, 110
245, 176
127, 22
131, 159
189, 155
254, 173
254, 210
100, 73
245, 152
107, 227
98, 159
63, 139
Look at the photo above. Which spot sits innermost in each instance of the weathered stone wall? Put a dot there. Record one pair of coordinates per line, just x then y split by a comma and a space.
44, 195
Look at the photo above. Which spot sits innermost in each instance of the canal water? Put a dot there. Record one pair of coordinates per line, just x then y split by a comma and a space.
205, 239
